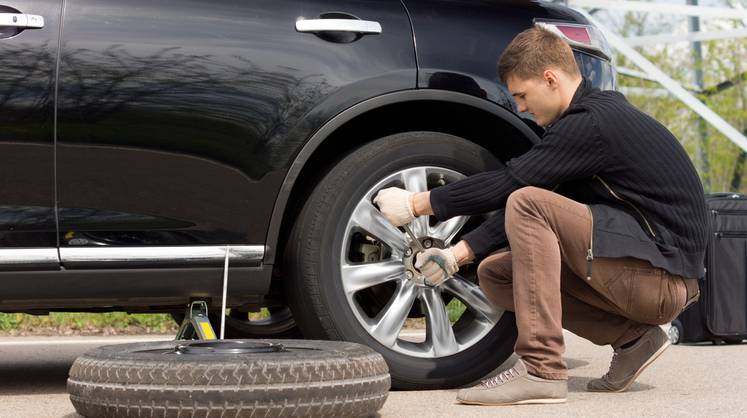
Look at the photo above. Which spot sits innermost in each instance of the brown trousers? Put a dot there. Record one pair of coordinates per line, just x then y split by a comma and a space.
543, 279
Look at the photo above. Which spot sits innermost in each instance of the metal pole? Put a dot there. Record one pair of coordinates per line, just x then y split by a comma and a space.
701, 148
225, 290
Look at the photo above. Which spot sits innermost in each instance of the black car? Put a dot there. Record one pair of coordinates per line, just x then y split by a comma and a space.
141, 140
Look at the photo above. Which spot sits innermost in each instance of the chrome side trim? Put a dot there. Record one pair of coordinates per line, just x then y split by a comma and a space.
177, 254
19, 257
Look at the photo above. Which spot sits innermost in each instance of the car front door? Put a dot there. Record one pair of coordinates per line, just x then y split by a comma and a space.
178, 118
29, 31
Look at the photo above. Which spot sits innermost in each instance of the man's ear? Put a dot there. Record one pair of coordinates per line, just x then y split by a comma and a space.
551, 78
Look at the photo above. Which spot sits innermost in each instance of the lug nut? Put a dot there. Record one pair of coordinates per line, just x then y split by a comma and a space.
408, 252
408, 273
427, 243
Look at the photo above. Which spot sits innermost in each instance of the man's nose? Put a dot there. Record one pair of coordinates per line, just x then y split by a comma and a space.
521, 107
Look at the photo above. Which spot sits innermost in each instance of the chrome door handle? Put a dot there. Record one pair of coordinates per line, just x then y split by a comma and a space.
338, 25
18, 20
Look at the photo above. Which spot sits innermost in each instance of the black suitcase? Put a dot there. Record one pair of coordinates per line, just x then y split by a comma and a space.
720, 315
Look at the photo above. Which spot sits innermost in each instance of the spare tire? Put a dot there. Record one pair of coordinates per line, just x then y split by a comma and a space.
229, 378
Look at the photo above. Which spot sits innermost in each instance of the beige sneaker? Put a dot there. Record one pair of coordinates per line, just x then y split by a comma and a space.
628, 363
515, 386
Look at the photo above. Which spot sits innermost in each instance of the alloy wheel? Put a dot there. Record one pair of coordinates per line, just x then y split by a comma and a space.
383, 289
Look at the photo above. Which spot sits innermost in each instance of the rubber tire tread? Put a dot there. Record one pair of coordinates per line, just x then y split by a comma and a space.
312, 379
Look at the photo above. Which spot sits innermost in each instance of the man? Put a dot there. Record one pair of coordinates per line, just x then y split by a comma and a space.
613, 251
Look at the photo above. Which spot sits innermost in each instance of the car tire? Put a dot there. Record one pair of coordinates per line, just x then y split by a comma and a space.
676, 332
236, 378
315, 250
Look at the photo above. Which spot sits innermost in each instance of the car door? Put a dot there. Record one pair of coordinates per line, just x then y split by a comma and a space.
29, 32
178, 118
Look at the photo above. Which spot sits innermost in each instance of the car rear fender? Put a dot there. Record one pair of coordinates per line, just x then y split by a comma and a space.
282, 214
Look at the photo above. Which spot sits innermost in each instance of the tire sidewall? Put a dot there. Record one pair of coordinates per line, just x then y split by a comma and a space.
283, 327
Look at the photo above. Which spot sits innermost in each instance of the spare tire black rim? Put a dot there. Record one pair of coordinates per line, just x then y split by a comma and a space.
391, 269
228, 347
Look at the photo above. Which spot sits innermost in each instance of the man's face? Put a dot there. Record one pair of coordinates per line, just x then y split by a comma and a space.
538, 96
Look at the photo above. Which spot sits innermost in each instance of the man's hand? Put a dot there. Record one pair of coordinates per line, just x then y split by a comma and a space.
436, 264
396, 205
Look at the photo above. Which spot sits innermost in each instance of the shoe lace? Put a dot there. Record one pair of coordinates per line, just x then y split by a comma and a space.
615, 358
501, 378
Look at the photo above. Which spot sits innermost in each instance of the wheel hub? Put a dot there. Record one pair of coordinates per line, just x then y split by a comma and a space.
411, 251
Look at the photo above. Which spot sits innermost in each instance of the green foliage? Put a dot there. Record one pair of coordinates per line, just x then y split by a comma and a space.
9, 321
455, 309
720, 163
93, 323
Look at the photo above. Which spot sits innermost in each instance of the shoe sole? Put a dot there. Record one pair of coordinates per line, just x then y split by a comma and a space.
524, 402
650, 360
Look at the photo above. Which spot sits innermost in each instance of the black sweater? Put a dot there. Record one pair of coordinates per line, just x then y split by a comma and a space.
601, 146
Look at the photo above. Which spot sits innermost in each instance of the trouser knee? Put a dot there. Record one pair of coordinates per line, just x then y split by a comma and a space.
496, 282
521, 201
495, 270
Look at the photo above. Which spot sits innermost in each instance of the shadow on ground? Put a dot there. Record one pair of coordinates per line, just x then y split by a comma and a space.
578, 384
37, 376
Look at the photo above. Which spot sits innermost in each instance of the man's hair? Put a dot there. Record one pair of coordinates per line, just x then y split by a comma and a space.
533, 51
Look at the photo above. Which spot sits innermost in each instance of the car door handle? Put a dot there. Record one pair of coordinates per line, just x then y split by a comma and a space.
19, 20
338, 25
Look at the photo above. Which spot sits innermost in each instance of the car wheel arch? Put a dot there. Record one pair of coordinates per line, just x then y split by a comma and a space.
326, 145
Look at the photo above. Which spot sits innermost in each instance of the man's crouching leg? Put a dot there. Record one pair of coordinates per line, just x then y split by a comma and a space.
540, 375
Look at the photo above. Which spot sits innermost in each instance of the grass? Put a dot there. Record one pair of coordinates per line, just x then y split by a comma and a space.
114, 323
455, 309
69, 323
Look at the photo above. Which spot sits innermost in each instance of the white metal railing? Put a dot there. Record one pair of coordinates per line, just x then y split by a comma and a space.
652, 72
664, 8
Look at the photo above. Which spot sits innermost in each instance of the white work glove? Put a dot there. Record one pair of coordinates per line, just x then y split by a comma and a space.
396, 206
437, 265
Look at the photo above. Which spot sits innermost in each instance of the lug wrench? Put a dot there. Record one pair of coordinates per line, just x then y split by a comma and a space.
417, 244
412, 236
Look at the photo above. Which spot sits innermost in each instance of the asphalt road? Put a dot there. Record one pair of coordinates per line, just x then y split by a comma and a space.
688, 380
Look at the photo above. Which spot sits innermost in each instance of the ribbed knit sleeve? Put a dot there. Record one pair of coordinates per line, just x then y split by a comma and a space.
489, 236
571, 149
476, 194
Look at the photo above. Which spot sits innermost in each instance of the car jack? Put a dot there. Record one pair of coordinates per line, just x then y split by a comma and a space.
196, 324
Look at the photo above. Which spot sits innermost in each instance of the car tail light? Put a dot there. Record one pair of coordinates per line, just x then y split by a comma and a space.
576, 33
584, 37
